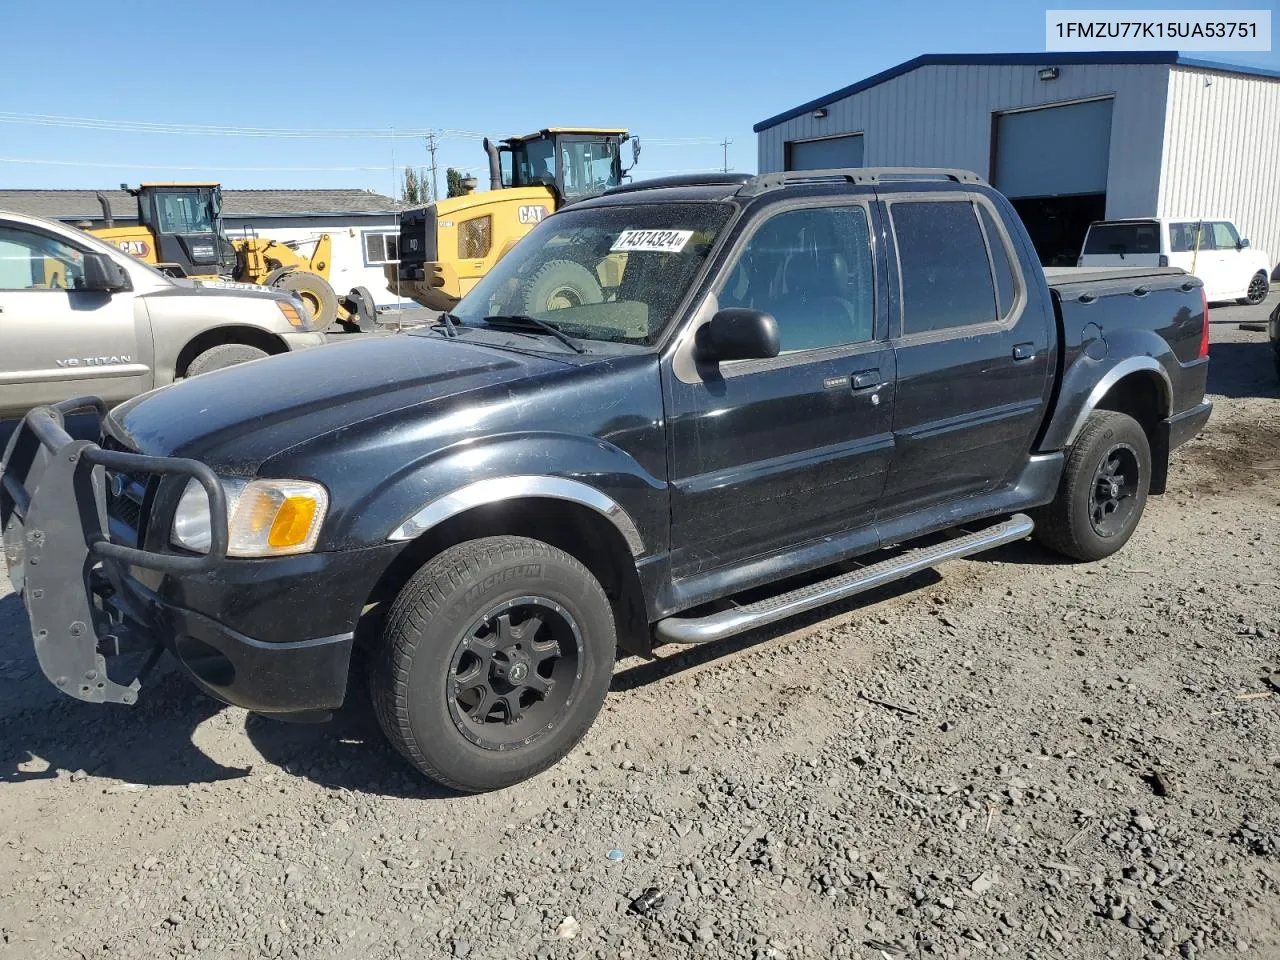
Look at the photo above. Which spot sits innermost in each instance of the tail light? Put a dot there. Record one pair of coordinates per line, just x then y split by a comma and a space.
1204, 332
1164, 260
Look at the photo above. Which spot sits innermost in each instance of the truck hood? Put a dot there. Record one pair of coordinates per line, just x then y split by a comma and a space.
235, 419
184, 286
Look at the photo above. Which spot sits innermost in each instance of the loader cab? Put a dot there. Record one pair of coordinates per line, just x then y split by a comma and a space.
186, 221
573, 162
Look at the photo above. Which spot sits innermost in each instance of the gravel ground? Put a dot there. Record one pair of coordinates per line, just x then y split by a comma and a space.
1011, 756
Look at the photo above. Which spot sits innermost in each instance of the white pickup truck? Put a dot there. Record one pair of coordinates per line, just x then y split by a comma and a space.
1212, 250
78, 316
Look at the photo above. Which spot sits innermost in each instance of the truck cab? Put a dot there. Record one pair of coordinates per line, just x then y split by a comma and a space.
179, 229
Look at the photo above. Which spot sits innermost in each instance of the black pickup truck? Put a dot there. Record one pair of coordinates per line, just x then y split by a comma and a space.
674, 412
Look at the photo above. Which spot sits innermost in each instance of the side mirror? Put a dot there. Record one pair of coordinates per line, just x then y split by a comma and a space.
103, 275
737, 334
1244, 242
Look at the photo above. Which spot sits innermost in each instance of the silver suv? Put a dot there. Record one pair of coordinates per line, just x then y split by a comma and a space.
78, 316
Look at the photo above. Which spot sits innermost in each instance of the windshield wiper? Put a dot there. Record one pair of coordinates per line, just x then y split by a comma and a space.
450, 322
524, 320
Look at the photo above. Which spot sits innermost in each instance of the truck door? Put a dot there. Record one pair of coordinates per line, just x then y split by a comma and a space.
973, 351
768, 454
57, 342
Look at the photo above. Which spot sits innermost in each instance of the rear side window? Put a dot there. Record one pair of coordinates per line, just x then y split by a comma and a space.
1003, 269
1122, 239
1182, 237
946, 276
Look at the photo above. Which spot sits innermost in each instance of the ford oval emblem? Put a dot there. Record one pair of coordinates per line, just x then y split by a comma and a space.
116, 484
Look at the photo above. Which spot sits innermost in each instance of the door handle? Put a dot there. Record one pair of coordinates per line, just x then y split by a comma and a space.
1024, 351
865, 379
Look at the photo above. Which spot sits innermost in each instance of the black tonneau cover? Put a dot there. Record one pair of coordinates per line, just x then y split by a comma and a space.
1059, 277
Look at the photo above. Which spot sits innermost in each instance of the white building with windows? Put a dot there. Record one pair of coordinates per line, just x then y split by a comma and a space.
1069, 137
363, 226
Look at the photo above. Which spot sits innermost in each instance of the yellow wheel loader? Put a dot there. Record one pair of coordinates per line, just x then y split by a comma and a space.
180, 231
447, 246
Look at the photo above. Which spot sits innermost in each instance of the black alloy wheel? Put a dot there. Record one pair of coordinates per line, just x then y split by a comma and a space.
1115, 488
515, 673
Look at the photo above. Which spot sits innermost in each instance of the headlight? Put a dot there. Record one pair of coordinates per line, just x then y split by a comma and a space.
265, 518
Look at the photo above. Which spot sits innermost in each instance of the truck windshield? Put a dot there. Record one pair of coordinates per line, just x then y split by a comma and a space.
602, 273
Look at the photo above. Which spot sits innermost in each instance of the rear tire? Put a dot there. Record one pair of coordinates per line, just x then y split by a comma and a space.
1102, 492
1258, 290
222, 356
314, 292
468, 687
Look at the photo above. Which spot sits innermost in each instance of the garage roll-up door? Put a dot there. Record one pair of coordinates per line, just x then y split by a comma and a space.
824, 154
1054, 151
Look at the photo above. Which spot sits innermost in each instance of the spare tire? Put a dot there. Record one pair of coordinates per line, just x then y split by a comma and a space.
316, 295
559, 284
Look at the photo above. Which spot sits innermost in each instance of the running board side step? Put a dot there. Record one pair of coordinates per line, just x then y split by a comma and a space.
726, 623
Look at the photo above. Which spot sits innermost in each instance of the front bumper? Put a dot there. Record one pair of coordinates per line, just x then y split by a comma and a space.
91, 596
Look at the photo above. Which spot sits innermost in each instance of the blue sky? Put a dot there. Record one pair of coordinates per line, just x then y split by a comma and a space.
681, 75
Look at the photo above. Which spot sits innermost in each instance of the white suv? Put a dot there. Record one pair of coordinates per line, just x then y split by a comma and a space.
1210, 249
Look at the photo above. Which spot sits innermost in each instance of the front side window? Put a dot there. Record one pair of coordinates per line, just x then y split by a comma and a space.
945, 273
811, 270
535, 163
1225, 236
34, 261
589, 166
615, 273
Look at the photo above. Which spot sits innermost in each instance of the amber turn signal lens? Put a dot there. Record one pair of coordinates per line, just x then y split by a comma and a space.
291, 314
292, 525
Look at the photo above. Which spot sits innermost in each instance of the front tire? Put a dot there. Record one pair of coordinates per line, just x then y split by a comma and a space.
222, 356
1102, 492
1258, 289
495, 661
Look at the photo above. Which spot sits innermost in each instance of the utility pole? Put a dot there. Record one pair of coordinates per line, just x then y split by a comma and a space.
725, 143
435, 180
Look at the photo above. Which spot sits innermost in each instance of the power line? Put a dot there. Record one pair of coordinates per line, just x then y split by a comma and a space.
170, 166
315, 133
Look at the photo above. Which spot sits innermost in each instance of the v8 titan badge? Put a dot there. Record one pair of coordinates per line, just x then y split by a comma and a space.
531, 213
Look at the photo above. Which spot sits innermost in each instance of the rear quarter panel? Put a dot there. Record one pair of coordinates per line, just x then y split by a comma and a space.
1109, 327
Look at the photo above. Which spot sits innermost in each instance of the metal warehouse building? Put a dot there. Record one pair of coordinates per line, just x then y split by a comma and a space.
1070, 138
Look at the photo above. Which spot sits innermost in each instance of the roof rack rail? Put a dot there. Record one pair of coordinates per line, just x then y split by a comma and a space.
681, 180
858, 175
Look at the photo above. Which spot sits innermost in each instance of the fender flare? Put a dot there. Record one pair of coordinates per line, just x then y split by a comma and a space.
1125, 368
498, 489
